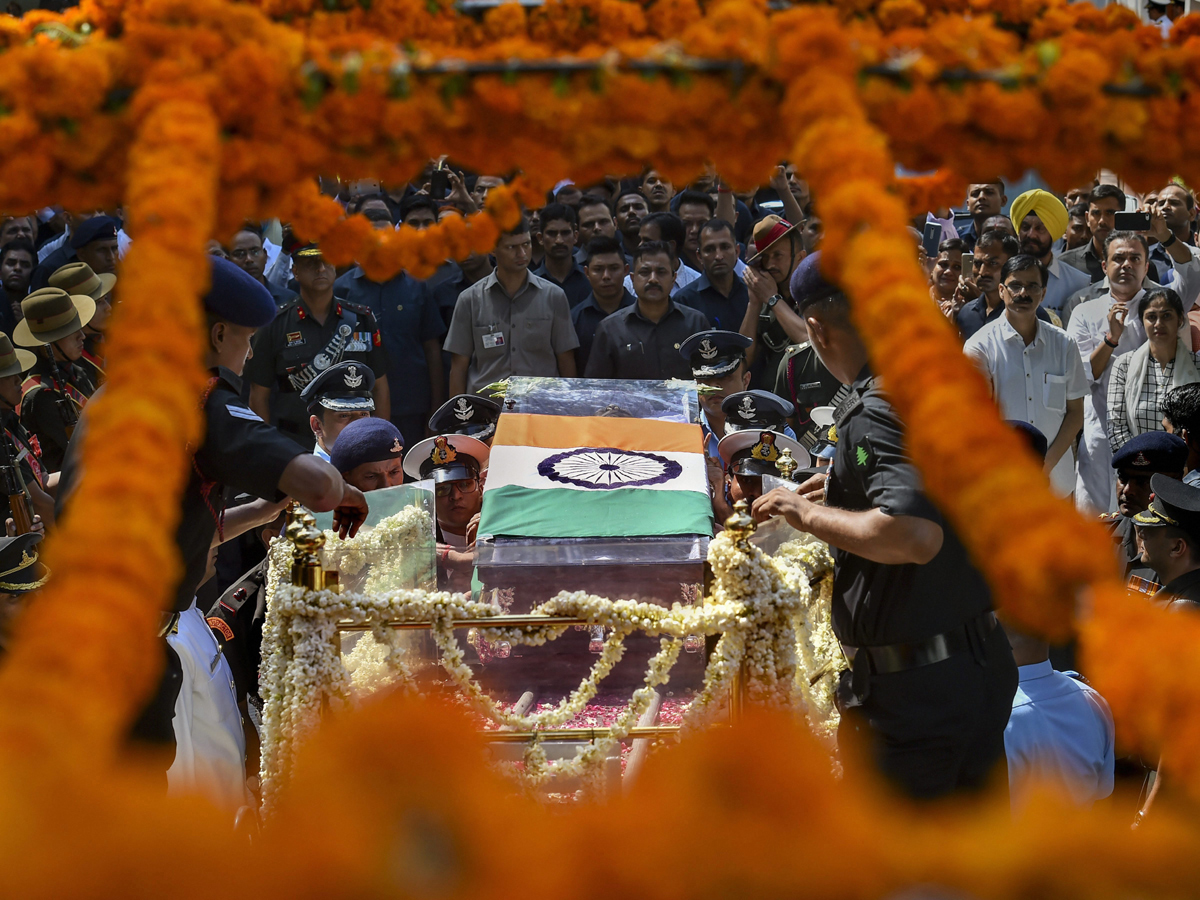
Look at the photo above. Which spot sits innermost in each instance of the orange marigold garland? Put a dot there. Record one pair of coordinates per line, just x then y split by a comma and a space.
87, 656
348, 239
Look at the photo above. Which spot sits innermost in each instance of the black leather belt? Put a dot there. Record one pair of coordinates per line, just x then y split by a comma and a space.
888, 658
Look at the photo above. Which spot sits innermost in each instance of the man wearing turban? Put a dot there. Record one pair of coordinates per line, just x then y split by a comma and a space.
1041, 219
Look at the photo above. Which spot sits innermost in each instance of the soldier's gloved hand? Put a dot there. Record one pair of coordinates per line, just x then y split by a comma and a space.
349, 515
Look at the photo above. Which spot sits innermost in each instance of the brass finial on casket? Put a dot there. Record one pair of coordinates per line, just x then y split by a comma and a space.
740, 526
307, 541
786, 465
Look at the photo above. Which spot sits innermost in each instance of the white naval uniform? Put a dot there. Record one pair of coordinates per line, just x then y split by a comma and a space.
210, 747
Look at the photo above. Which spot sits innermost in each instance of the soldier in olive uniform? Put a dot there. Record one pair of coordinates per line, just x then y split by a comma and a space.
23, 448
1141, 457
932, 677
58, 387
307, 337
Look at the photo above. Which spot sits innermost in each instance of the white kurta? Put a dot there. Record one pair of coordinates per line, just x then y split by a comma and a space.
1095, 486
1032, 384
210, 747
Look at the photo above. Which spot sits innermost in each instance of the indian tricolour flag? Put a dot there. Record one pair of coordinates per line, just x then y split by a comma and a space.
595, 476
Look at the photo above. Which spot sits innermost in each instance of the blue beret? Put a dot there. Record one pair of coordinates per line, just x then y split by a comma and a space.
97, 228
238, 297
1152, 451
1037, 440
366, 441
808, 285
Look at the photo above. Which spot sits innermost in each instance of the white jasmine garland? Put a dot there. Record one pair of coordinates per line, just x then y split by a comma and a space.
774, 631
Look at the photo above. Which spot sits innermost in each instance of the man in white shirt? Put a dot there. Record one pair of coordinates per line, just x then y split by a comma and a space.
1034, 368
1103, 329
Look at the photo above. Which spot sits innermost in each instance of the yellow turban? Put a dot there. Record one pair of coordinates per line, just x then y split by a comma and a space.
1048, 208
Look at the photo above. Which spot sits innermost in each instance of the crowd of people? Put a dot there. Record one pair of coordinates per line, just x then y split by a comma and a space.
1080, 312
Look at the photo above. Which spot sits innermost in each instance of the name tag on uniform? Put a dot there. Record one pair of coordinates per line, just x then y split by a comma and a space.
808, 386
493, 340
294, 339
242, 412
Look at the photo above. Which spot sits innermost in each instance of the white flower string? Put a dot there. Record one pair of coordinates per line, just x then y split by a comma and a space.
774, 629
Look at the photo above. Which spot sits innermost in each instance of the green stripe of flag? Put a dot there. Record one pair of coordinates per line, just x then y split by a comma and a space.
562, 512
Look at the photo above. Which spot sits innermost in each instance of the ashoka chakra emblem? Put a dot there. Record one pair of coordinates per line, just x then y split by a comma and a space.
605, 468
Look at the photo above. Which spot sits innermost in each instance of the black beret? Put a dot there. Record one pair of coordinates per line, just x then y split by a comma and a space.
97, 228
1152, 451
366, 441
238, 297
1037, 441
808, 285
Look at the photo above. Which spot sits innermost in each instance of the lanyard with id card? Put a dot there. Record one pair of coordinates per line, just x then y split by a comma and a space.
493, 339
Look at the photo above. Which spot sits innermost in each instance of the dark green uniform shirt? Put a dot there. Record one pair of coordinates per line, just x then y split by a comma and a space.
46, 384
296, 348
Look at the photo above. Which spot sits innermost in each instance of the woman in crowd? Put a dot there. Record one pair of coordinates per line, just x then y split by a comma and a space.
946, 270
1142, 378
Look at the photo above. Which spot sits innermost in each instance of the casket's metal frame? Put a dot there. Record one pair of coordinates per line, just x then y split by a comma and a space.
307, 572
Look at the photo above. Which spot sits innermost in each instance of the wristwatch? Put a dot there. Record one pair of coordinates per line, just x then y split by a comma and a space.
773, 300
1169, 241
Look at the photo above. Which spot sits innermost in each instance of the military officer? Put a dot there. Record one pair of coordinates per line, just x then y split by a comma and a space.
313, 333
454, 463
369, 454
242, 453
752, 452
1141, 457
932, 676
718, 360
804, 381
467, 414
78, 278
58, 387
335, 398
23, 447
23, 572
1169, 530
236, 621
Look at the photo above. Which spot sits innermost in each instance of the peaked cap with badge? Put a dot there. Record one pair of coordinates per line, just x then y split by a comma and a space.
755, 410
754, 438
466, 414
366, 441
447, 457
20, 568
298, 249
345, 387
1152, 451
1173, 503
715, 353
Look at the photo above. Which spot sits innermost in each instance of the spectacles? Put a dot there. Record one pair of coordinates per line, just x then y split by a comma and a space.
465, 486
254, 253
1017, 288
